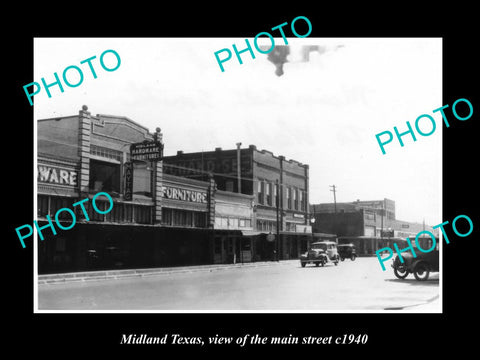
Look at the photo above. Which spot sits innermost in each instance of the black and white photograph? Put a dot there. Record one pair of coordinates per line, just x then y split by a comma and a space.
294, 182
279, 184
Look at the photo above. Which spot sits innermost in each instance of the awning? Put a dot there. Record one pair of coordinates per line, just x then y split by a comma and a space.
252, 232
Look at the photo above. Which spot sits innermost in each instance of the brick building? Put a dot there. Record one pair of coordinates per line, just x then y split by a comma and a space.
270, 180
370, 225
156, 220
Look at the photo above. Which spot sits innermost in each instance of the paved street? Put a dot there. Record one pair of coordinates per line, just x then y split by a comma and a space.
351, 286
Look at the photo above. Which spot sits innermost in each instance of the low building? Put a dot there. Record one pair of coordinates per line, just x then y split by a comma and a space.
369, 225
234, 215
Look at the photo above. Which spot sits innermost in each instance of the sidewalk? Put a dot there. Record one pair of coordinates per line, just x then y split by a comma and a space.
129, 273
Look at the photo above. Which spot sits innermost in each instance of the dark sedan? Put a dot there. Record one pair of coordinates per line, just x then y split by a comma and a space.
420, 266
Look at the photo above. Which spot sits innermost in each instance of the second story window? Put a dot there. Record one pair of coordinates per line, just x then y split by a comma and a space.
289, 198
269, 194
295, 199
104, 176
261, 192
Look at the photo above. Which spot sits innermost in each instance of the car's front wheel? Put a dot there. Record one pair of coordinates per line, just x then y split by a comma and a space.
400, 273
421, 271
353, 257
303, 264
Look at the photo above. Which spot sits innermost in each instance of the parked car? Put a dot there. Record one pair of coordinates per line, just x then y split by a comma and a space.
321, 253
347, 251
421, 266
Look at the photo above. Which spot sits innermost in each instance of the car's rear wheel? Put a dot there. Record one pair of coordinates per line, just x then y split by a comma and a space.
421, 271
316, 264
400, 273
303, 264
342, 258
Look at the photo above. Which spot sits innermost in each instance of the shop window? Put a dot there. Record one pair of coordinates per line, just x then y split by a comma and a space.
92, 214
128, 210
188, 216
229, 185
178, 218
142, 179
166, 216
244, 222
259, 225
184, 218
224, 222
56, 203
143, 214
218, 245
104, 176
116, 214
60, 244
199, 219
42, 205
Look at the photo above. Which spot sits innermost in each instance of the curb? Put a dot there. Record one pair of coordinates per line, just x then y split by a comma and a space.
52, 279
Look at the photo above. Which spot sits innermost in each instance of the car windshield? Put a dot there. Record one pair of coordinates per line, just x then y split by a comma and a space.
319, 246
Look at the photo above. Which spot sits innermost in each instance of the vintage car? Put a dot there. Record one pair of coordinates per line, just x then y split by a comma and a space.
321, 253
421, 266
347, 251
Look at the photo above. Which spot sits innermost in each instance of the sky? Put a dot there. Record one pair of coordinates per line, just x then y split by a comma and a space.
324, 112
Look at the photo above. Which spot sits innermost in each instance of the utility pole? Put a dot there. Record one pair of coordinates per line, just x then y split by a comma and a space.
277, 206
334, 197
335, 223
239, 173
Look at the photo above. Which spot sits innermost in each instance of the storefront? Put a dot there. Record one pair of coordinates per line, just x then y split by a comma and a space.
233, 226
156, 219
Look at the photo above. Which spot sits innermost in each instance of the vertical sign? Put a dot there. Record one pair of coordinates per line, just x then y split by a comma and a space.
128, 181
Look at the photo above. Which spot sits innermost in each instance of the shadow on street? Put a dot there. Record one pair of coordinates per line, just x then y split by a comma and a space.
414, 282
